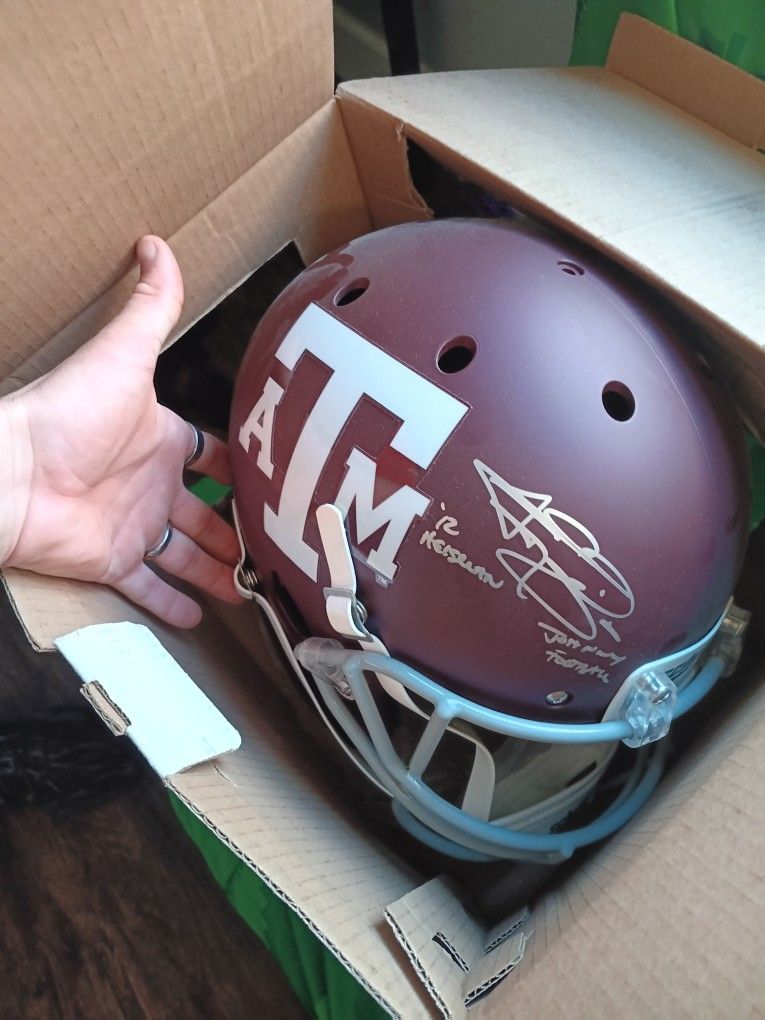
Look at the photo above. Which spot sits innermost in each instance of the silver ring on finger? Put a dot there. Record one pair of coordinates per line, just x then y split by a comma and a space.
199, 446
159, 547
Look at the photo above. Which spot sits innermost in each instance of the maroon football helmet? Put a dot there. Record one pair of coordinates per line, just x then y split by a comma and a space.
485, 468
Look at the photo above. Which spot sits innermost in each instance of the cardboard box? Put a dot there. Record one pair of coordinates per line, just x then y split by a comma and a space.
215, 126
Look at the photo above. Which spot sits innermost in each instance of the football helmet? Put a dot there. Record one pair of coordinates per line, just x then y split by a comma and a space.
483, 484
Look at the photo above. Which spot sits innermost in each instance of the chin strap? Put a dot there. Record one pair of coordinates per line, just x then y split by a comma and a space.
347, 616
247, 584
552, 782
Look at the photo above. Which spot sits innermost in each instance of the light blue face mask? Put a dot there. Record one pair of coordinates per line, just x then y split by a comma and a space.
639, 715
642, 713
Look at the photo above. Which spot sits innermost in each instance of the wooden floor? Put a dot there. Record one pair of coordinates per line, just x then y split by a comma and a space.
110, 912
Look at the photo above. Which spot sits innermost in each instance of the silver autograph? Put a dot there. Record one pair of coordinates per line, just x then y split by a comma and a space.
581, 668
553, 636
581, 588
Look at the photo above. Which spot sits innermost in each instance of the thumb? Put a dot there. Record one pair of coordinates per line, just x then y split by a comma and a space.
154, 307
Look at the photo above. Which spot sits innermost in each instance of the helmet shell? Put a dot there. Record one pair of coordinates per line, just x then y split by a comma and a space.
576, 483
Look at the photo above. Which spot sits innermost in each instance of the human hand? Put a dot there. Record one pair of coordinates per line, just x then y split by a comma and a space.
92, 468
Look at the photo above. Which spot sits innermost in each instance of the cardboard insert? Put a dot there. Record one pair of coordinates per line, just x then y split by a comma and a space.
655, 161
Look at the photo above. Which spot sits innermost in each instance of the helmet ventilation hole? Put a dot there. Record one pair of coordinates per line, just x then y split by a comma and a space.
571, 268
456, 354
618, 401
351, 293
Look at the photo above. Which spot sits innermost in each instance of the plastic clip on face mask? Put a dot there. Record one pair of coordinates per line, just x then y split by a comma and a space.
483, 482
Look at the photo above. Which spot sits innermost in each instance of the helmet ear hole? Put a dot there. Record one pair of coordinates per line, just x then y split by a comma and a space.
351, 293
618, 401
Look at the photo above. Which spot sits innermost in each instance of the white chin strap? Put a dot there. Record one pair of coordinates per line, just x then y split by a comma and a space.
538, 785
245, 583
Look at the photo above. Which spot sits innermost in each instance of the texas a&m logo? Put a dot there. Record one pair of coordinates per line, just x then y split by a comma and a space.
427, 414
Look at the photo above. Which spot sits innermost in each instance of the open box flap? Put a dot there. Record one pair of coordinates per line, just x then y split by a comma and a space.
306, 189
130, 118
569, 144
139, 690
49, 607
456, 958
677, 70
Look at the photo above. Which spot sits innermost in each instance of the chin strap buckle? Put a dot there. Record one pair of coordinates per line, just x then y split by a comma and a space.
346, 614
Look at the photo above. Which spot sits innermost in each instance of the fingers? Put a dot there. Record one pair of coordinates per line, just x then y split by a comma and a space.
196, 519
207, 565
149, 591
186, 560
153, 308
213, 460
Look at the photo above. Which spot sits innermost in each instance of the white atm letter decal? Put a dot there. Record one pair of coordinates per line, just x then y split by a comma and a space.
260, 424
397, 511
428, 417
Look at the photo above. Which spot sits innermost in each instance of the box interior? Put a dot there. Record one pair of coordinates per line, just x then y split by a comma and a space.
565, 146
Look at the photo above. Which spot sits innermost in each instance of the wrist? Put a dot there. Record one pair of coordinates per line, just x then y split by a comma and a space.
15, 473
